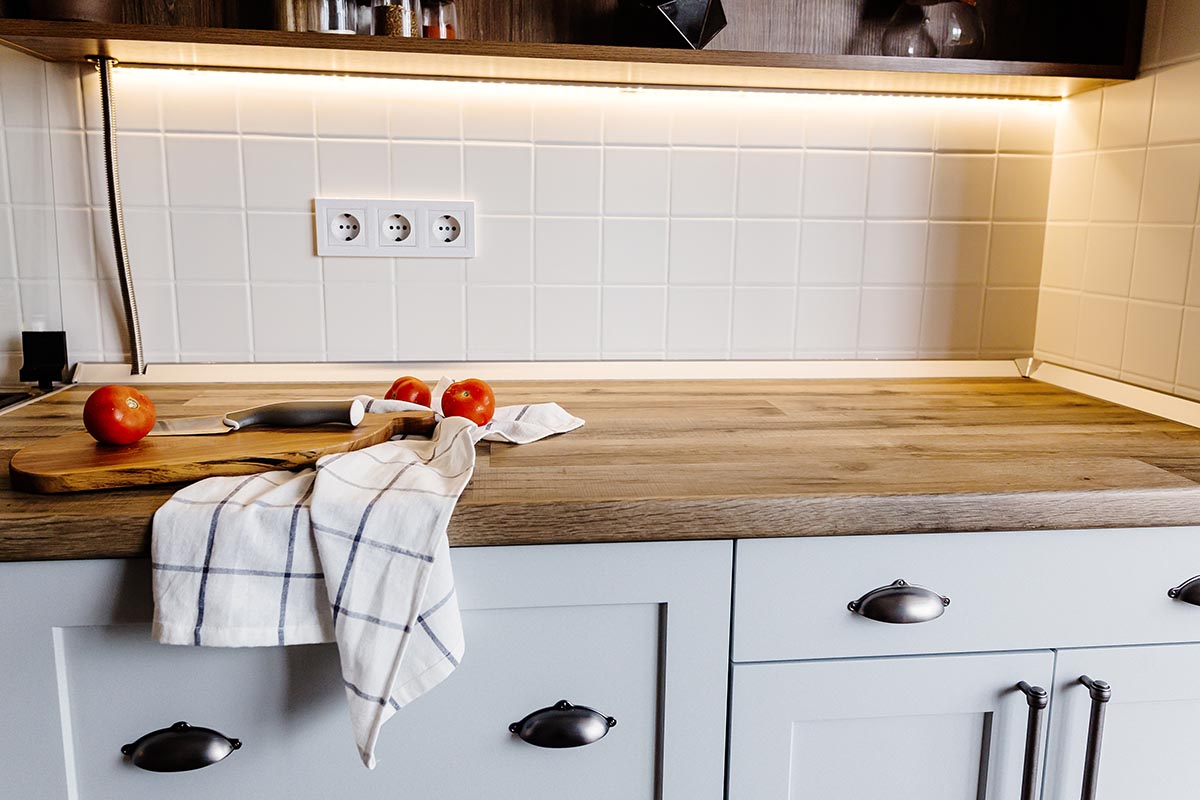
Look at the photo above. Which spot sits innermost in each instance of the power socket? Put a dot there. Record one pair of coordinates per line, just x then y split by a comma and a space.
395, 228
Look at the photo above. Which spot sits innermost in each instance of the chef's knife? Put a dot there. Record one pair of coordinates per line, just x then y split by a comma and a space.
294, 414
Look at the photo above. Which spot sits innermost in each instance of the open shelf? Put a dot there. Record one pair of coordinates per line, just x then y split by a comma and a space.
241, 49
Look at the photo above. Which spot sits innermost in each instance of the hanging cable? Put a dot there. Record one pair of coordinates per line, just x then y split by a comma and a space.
104, 65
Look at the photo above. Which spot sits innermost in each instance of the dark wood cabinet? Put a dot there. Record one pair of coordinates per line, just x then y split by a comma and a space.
1032, 48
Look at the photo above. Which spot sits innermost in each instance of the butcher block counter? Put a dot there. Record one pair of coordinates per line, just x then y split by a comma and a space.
717, 459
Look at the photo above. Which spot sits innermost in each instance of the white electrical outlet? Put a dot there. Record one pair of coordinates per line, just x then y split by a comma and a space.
395, 228
395, 225
344, 226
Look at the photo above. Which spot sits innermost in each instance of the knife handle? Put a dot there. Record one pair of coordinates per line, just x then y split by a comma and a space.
298, 414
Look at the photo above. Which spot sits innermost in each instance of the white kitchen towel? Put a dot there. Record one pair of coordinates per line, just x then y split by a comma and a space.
352, 551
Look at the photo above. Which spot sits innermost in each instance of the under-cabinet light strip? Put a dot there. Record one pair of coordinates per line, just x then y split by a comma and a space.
169, 73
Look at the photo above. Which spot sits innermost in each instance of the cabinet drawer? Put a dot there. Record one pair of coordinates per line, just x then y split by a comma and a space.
1008, 591
584, 623
287, 707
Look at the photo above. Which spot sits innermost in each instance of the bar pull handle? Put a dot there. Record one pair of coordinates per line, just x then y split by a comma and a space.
1038, 699
1100, 693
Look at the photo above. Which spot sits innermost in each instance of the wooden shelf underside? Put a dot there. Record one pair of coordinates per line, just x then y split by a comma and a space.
238, 49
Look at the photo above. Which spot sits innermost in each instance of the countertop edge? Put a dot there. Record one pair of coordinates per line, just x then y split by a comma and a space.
691, 519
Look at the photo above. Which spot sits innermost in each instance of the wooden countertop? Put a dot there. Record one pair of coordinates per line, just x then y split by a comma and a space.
719, 459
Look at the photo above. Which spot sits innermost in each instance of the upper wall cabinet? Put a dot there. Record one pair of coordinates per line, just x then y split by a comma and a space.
1017, 47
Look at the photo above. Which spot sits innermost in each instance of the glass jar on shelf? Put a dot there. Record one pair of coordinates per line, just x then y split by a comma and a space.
934, 29
439, 19
397, 18
332, 16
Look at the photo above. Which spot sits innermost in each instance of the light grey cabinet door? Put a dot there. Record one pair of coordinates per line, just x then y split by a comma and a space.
639, 632
926, 728
1151, 731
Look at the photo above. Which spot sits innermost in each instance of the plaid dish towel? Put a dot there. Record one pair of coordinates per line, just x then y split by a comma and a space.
353, 551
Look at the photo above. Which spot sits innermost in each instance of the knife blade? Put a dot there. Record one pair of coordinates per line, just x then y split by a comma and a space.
292, 414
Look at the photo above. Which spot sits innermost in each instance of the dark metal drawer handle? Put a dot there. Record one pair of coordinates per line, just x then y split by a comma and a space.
1187, 592
900, 603
1038, 699
1101, 693
179, 748
563, 725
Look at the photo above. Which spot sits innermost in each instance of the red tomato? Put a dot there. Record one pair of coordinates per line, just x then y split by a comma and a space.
118, 415
410, 390
472, 399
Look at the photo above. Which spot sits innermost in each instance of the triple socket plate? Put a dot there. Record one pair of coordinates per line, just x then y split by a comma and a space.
395, 228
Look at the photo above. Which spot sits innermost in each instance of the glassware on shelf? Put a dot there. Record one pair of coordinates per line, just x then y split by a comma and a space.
397, 18
291, 15
934, 29
333, 16
439, 19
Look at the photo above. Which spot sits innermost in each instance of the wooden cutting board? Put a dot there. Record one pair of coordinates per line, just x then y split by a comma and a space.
78, 463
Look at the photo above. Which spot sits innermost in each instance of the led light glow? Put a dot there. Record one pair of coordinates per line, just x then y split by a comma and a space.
172, 79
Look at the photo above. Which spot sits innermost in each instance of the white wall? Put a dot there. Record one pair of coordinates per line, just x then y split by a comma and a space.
612, 223
1121, 276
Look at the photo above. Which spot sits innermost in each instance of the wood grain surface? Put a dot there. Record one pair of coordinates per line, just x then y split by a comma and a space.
76, 462
720, 459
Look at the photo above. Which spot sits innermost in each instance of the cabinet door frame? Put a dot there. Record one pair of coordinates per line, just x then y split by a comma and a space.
690, 581
772, 696
1137, 674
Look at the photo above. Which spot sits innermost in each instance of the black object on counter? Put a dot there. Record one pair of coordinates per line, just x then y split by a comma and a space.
673, 23
45, 354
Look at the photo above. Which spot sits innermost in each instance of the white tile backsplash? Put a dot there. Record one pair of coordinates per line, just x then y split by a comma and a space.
962, 186
441, 308
360, 321
209, 245
635, 251
204, 171
499, 178
567, 180
288, 320
1108, 259
566, 323
769, 183
281, 174
1118, 185
633, 321
427, 170
1172, 181
1160, 262
831, 251
701, 251
899, 185
214, 321
895, 252
766, 252
611, 223
566, 251
763, 322
637, 181
702, 182
506, 252
835, 184
501, 323
698, 322
1128, 299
